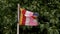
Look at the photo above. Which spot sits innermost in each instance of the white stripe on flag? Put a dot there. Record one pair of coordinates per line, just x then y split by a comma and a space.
28, 14
27, 21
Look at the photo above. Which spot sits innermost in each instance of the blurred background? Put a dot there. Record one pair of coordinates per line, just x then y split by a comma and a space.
49, 16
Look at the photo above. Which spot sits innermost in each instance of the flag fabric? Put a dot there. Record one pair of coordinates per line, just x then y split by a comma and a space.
27, 18
28, 15
22, 17
33, 22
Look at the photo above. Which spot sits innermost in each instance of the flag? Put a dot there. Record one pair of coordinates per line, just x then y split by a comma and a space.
26, 18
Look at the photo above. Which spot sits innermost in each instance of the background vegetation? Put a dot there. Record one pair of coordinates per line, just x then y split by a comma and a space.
49, 16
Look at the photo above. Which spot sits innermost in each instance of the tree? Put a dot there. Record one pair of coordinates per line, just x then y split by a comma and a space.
49, 16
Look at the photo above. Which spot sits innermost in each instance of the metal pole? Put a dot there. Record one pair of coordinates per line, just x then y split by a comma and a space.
18, 19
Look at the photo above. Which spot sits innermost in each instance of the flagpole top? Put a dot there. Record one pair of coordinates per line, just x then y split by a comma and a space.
18, 5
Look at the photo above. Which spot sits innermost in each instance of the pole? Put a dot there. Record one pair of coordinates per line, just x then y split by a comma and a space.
18, 19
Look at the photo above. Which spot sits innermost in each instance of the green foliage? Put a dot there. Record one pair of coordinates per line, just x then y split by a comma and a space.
48, 8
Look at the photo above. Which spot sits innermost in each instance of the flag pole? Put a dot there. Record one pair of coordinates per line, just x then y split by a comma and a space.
18, 18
